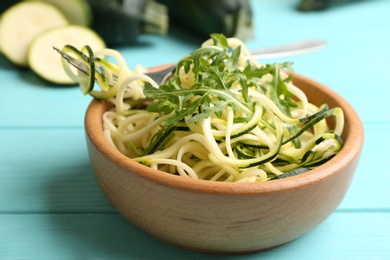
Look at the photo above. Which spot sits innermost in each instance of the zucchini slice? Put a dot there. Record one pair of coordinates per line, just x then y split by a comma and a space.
119, 22
76, 11
87, 84
47, 63
232, 18
21, 23
85, 59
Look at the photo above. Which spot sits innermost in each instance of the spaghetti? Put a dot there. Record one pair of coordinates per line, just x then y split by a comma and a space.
221, 116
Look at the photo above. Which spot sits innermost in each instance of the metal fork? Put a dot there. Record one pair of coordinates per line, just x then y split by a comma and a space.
158, 76
161, 75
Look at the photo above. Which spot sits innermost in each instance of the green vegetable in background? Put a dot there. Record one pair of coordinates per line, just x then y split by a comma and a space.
76, 11
119, 22
317, 5
22, 22
233, 18
309, 5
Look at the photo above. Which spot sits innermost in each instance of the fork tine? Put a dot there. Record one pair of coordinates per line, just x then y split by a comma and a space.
159, 76
72, 61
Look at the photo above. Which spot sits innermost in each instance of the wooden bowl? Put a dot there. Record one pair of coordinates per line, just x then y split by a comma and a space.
219, 217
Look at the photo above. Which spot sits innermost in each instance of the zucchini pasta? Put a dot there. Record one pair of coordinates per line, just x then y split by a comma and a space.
220, 116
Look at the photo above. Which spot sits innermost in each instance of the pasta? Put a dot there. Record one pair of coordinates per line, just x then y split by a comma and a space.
221, 116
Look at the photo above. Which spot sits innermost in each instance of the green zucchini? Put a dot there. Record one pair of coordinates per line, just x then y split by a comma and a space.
119, 22
161, 139
310, 5
293, 173
21, 23
233, 18
47, 64
227, 135
244, 152
76, 11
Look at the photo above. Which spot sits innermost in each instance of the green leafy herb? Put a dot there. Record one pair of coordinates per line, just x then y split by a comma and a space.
220, 116
215, 70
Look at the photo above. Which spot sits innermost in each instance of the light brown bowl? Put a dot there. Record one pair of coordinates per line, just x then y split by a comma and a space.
226, 217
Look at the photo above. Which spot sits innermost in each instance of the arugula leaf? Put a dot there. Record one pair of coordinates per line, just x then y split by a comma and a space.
231, 64
218, 108
216, 72
164, 106
279, 94
282, 97
187, 111
219, 40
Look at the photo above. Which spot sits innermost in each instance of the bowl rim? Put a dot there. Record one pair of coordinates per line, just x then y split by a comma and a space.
351, 149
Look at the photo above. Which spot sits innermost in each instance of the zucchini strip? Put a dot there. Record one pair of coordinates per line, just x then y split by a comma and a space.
221, 116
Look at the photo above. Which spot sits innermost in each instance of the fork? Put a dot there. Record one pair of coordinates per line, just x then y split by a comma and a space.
160, 76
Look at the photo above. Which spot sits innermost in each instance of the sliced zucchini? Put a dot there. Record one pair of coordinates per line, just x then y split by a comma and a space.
233, 18
119, 22
293, 172
21, 23
85, 61
76, 11
45, 62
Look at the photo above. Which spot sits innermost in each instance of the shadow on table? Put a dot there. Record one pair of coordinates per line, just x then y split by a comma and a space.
28, 76
5, 64
84, 224
89, 227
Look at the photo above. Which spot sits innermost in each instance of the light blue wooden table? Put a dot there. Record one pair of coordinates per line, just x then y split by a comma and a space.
52, 208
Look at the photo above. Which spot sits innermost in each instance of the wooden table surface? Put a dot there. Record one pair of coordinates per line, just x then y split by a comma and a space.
51, 206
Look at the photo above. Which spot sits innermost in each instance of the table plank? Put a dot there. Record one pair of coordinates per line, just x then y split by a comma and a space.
356, 57
109, 236
47, 170
369, 188
52, 208
32, 102
55, 175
